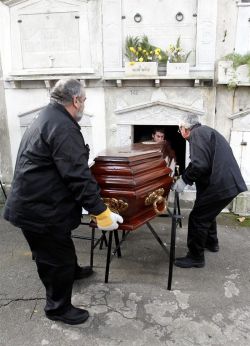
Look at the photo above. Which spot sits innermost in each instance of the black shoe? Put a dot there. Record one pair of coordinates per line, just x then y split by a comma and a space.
83, 272
189, 262
213, 248
71, 316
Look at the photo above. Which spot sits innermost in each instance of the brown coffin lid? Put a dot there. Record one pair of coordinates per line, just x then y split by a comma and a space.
130, 153
130, 167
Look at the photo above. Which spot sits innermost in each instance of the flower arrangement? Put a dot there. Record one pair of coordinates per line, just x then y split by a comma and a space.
176, 54
239, 60
236, 70
141, 50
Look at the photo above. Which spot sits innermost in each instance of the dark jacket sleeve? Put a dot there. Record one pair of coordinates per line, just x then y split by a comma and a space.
201, 155
70, 156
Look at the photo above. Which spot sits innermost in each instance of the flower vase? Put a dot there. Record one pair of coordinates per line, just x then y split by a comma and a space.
162, 68
174, 69
140, 69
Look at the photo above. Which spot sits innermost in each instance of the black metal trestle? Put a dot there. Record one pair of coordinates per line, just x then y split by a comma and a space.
176, 221
3, 190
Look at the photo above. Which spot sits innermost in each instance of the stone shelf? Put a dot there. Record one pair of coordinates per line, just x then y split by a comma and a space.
237, 85
197, 78
14, 81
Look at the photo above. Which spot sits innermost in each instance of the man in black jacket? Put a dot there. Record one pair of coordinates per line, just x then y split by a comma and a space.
51, 184
218, 180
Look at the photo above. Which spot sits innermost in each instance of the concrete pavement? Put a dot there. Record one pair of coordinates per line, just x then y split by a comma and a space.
208, 306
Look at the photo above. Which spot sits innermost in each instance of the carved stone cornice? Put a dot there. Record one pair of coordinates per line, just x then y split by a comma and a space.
12, 2
158, 103
17, 2
239, 114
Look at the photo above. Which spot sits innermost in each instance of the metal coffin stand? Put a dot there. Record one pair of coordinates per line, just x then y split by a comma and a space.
176, 221
135, 183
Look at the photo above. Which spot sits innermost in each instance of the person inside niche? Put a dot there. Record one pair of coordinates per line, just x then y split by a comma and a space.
158, 137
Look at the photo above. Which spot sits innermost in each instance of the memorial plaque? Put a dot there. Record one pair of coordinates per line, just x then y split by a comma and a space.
50, 40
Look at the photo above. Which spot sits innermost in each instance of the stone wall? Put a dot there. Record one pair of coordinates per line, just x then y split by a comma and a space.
5, 154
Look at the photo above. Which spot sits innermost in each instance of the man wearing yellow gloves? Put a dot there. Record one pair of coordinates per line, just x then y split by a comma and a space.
51, 184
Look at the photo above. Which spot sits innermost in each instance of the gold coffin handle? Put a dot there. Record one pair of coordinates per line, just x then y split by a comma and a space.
156, 198
162, 201
116, 205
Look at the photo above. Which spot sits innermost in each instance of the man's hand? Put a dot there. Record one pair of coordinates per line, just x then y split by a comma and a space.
179, 186
108, 221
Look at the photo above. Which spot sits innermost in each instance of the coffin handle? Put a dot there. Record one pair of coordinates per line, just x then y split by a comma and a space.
160, 205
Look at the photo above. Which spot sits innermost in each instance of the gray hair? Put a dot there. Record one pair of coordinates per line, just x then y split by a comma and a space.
65, 89
189, 120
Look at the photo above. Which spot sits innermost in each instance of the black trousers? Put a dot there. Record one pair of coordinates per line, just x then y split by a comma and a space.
202, 227
56, 261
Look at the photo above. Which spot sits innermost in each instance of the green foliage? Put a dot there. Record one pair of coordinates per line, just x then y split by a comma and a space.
164, 57
140, 49
131, 41
239, 59
176, 53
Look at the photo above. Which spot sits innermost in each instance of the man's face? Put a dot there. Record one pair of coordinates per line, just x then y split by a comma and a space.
80, 107
158, 136
184, 132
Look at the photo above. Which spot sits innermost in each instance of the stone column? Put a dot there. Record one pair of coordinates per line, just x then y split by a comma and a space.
5, 152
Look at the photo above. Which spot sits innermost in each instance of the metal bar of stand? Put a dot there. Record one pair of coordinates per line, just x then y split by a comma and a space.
117, 248
117, 243
103, 239
157, 237
172, 242
178, 209
3, 190
124, 236
92, 247
80, 237
90, 238
176, 220
108, 257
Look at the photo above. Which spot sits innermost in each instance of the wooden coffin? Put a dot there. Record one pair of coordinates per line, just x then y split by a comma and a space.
134, 181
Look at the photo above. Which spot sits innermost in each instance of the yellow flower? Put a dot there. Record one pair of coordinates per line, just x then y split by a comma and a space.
132, 49
131, 63
144, 51
140, 49
141, 59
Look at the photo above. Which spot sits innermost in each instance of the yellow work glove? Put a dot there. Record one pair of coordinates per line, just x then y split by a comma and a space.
108, 221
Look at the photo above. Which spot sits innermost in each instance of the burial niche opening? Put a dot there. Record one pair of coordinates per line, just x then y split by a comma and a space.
143, 133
